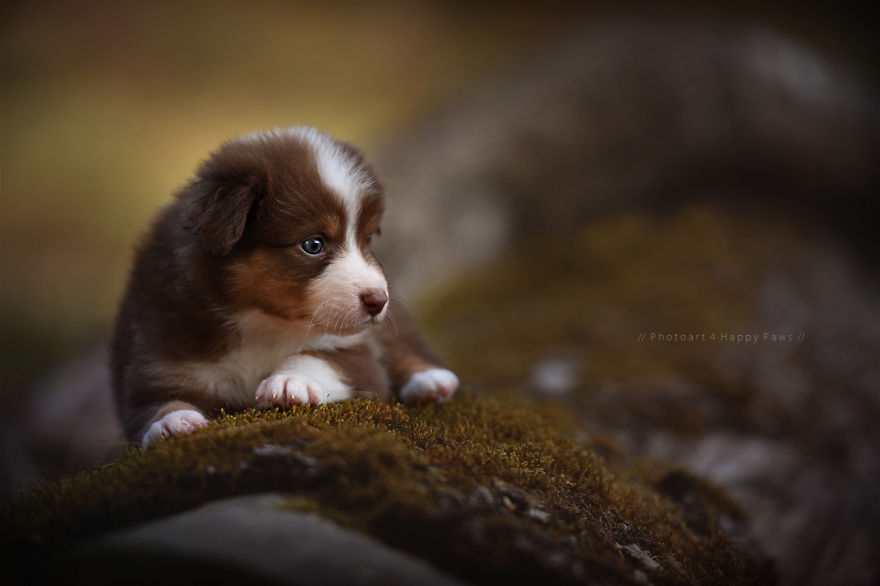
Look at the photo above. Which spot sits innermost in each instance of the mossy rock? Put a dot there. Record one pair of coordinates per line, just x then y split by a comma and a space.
484, 490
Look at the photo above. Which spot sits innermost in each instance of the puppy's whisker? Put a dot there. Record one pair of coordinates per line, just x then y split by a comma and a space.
315, 315
389, 315
336, 319
330, 318
329, 322
401, 303
349, 318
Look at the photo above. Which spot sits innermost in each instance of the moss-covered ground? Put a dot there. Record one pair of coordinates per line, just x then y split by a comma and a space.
483, 489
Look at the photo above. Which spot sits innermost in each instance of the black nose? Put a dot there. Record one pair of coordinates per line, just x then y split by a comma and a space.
374, 300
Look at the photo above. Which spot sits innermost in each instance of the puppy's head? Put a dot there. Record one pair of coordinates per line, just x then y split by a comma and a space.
287, 217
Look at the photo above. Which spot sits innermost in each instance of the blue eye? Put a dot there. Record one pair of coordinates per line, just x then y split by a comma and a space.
313, 245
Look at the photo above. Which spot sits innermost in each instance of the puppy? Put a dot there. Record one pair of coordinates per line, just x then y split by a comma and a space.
257, 287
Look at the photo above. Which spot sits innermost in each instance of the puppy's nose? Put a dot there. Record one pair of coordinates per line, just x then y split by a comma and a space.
374, 300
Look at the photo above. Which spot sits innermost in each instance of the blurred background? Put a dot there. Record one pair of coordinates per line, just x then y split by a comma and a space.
108, 107
564, 181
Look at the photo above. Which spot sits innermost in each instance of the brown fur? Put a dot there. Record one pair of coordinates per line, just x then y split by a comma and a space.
362, 368
228, 244
406, 351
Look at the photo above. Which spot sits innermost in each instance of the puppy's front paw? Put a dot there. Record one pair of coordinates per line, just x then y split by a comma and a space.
284, 390
437, 384
178, 422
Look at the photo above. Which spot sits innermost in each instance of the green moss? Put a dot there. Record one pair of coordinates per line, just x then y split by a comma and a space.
481, 488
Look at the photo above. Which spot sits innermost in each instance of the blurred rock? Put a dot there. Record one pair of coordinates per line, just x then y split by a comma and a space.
786, 423
620, 114
554, 376
68, 425
252, 538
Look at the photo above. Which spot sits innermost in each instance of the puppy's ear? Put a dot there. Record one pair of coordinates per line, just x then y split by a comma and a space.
227, 186
220, 212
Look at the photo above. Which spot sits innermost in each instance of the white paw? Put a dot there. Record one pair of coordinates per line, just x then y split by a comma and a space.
437, 384
284, 390
178, 422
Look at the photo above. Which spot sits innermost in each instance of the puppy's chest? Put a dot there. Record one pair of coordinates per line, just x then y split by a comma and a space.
258, 353
252, 360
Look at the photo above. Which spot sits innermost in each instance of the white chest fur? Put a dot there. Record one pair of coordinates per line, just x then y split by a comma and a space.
263, 346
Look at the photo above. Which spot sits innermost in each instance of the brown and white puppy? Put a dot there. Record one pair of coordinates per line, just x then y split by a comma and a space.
257, 286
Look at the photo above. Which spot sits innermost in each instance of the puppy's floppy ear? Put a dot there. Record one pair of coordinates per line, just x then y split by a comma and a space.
226, 188
220, 212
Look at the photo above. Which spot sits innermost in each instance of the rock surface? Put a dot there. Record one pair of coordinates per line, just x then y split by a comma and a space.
741, 347
254, 537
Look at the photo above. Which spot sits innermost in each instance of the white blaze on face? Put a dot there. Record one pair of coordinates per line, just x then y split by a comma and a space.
336, 294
